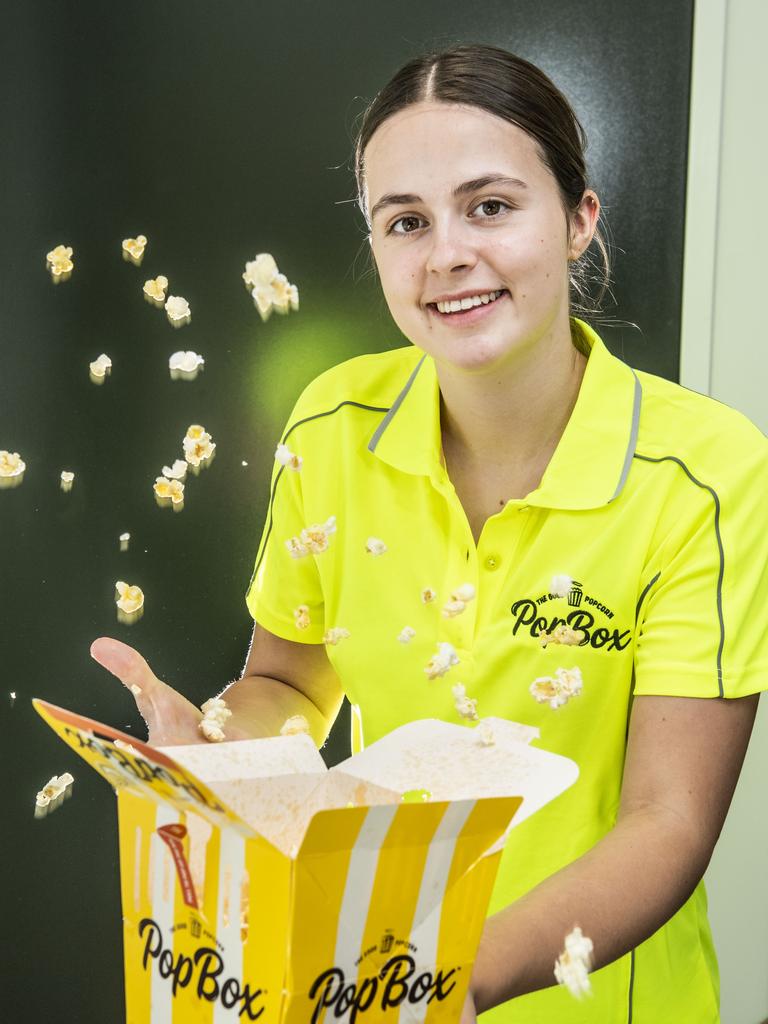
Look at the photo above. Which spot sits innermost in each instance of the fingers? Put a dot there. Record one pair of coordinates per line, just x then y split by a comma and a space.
125, 663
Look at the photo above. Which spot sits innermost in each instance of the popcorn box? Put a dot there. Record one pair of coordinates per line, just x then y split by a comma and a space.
258, 885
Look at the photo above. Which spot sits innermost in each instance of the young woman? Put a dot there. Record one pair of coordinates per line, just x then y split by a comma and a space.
506, 447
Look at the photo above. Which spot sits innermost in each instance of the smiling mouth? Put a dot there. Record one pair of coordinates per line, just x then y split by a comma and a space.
461, 314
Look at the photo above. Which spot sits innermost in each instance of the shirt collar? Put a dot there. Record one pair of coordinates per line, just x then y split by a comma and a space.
592, 460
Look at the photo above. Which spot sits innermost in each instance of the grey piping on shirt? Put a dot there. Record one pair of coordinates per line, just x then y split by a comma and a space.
395, 406
721, 573
298, 423
632, 436
646, 588
631, 985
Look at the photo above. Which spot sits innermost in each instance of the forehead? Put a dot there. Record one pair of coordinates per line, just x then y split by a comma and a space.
437, 145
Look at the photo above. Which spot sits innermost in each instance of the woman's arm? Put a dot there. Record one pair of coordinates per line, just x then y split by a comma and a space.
684, 756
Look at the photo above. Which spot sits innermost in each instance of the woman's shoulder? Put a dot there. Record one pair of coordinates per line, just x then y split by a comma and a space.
703, 433
373, 380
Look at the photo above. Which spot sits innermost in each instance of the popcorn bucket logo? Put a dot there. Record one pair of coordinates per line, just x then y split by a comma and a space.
575, 594
396, 983
195, 928
387, 942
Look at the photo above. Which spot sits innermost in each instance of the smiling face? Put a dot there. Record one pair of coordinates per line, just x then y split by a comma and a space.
440, 228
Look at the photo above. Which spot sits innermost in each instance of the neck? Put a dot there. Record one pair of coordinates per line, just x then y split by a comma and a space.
512, 415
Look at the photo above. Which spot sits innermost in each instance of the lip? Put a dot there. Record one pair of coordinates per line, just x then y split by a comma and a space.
468, 316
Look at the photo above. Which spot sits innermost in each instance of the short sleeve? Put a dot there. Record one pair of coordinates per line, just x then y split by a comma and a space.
701, 628
282, 581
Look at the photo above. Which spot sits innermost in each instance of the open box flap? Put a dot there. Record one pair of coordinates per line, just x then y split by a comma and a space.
281, 808
249, 759
451, 763
143, 769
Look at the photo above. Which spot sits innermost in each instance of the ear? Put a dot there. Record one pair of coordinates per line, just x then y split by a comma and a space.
584, 224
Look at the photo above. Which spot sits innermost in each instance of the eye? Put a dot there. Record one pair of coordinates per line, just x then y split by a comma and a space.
404, 220
493, 202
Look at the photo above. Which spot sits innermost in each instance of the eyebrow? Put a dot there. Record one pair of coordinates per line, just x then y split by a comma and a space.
403, 199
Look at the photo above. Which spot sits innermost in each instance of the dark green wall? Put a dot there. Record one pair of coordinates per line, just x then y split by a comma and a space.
219, 131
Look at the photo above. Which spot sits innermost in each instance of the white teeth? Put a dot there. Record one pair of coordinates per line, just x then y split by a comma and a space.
456, 305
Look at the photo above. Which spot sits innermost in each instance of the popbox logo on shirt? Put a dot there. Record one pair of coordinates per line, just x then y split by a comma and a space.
532, 614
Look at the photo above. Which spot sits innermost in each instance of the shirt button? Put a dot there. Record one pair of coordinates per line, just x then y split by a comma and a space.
492, 562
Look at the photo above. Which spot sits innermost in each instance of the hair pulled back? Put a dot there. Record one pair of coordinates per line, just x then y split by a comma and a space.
512, 88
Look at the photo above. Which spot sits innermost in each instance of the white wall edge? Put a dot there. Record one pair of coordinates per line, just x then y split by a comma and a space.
702, 189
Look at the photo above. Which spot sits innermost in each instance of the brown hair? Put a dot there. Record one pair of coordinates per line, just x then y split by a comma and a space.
513, 88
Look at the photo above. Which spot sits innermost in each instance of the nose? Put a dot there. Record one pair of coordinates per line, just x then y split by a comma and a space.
450, 248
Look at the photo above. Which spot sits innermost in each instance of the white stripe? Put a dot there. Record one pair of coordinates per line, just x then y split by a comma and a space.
358, 889
231, 869
161, 997
426, 919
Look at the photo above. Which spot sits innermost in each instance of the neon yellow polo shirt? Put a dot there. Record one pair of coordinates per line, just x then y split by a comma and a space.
653, 504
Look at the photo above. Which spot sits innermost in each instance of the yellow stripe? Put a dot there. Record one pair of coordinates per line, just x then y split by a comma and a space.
396, 887
320, 880
468, 891
268, 922
135, 813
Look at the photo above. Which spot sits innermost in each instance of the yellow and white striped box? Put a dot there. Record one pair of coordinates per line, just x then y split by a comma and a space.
258, 885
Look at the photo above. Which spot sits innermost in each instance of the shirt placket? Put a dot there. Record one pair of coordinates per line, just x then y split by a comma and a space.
460, 566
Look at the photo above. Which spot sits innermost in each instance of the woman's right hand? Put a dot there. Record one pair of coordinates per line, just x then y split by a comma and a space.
171, 719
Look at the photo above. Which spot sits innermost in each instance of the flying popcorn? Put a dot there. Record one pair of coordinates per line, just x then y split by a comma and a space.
124, 541
11, 465
269, 288
286, 457
406, 634
561, 585
428, 595
335, 635
165, 489
100, 368
312, 540
485, 734
459, 600
53, 790
185, 365
375, 546
441, 662
301, 617
133, 249
177, 471
130, 598
178, 311
154, 290
294, 726
564, 635
466, 706
198, 446
59, 262
557, 690
215, 715
573, 965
